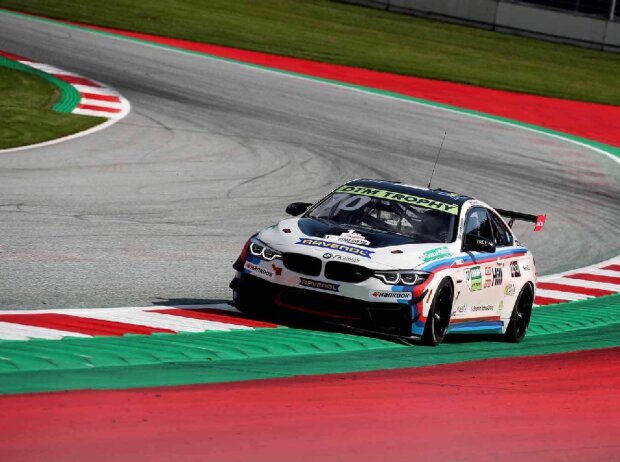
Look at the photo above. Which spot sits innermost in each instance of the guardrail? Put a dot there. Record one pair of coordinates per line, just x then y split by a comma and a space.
520, 18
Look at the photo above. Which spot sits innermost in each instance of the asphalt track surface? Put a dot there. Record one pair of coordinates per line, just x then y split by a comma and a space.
156, 208
541, 408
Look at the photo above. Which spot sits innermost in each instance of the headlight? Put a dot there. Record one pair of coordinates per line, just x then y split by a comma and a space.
264, 252
406, 277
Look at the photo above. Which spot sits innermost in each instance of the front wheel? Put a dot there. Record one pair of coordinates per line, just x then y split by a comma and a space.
438, 318
520, 317
241, 299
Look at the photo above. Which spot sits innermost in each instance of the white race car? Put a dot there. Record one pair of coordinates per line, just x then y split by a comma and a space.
393, 258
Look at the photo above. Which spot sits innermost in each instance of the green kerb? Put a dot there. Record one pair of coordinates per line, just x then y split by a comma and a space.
69, 96
211, 357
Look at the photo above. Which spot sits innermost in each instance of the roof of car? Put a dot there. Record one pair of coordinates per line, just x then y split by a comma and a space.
435, 194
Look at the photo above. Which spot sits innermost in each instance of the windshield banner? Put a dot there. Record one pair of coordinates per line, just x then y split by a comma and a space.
452, 209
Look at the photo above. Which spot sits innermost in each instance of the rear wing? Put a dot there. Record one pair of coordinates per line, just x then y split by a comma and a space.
540, 220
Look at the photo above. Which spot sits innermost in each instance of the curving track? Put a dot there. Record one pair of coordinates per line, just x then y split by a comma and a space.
156, 207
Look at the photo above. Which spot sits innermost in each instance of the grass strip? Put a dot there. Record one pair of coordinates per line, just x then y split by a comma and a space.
331, 32
211, 357
29, 105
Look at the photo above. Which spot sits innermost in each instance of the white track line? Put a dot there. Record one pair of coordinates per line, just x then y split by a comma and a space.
13, 331
602, 272
566, 296
162, 321
86, 311
588, 284
138, 316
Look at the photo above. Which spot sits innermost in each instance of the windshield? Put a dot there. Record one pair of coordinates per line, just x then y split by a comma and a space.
422, 224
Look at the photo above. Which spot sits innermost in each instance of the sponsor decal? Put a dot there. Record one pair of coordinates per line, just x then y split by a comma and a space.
498, 276
335, 246
448, 193
487, 271
276, 269
257, 269
461, 309
327, 256
452, 209
319, 284
350, 237
473, 277
501, 306
346, 258
488, 283
476, 308
386, 294
509, 290
435, 254
540, 222
526, 267
515, 272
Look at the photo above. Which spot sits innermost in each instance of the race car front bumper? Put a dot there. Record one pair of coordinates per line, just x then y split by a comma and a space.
393, 318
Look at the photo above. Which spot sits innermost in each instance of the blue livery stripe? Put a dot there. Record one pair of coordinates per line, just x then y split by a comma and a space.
476, 326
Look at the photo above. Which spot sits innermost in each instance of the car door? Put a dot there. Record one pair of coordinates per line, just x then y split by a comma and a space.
484, 278
511, 269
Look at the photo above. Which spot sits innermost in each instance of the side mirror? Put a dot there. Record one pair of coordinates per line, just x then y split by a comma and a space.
478, 244
297, 208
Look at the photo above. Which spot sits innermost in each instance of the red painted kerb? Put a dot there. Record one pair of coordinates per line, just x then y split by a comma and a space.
545, 408
597, 122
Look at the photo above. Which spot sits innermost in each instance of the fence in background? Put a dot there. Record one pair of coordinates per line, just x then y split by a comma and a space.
590, 23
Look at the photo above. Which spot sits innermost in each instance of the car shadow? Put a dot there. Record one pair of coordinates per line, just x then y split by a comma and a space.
297, 322
189, 301
282, 319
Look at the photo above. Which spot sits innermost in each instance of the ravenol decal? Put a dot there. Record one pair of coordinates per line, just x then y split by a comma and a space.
319, 284
399, 197
335, 246
435, 254
474, 278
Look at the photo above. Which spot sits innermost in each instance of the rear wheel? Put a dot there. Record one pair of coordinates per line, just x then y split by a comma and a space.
439, 315
521, 314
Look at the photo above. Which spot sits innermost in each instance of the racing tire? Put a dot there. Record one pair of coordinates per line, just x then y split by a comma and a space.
520, 317
438, 317
242, 302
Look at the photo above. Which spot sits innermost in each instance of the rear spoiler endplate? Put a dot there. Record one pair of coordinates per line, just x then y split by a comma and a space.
540, 220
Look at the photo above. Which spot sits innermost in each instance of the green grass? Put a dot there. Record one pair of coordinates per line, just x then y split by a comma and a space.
26, 114
332, 32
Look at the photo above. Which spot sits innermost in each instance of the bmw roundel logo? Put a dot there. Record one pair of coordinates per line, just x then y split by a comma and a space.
327, 256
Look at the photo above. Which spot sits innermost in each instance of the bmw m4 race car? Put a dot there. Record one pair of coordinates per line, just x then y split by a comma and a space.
393, 258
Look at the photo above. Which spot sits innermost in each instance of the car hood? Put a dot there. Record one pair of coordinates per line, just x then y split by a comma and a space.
370, 248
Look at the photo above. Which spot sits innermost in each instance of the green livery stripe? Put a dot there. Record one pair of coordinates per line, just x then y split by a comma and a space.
211, 357
69, 96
